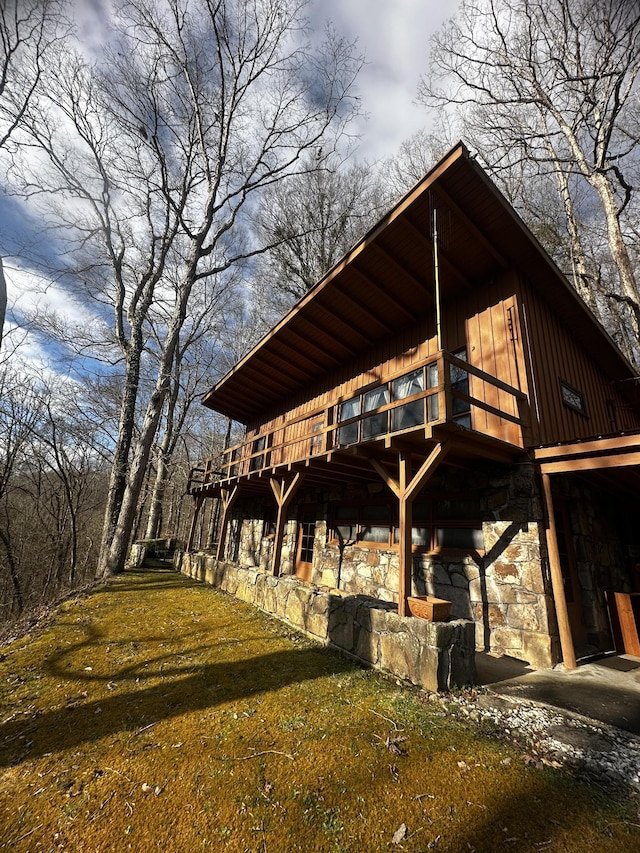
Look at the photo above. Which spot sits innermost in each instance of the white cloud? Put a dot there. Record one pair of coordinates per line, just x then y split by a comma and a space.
36, 305
395, 40
29, 293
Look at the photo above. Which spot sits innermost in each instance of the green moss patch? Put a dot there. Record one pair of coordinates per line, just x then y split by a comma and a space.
158, 714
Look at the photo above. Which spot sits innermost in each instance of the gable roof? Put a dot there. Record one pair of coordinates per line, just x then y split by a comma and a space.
384, 283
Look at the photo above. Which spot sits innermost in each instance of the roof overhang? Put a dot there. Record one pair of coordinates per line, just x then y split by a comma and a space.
386, 282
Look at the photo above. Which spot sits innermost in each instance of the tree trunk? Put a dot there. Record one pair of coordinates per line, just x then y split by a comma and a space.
154, 522
118, 475
117, 553
115, 557
617, 245
581, 278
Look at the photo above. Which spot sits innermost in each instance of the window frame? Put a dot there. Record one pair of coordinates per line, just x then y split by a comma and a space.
567, 389
358, 404
427, 519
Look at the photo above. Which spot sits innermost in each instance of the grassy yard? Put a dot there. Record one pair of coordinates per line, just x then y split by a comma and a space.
158, 714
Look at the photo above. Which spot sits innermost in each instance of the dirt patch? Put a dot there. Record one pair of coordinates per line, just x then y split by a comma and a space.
156, 713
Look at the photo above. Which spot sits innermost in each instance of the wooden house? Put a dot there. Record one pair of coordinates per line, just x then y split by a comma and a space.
441, 414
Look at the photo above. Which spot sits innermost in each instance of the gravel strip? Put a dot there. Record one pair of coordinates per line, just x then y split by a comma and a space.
603, 754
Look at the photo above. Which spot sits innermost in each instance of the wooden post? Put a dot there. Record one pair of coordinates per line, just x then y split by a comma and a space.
557, 583
228, 498
405, 488
194, 521
283, 494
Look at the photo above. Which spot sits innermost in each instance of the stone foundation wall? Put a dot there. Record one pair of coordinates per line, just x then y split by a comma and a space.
249, 546
433, 655
505, 589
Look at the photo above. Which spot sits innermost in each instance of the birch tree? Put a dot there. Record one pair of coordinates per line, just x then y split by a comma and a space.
553, 84
160, 150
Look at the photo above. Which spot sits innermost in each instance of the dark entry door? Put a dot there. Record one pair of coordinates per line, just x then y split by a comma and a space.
306, 539
570, 579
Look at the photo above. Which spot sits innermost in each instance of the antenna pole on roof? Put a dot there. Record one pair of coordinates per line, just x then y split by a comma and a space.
436, 276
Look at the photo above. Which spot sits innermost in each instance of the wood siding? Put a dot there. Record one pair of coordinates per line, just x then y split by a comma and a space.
556, 356
484, 322
509, 332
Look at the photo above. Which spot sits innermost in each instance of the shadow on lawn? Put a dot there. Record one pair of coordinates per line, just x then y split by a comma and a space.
189, 689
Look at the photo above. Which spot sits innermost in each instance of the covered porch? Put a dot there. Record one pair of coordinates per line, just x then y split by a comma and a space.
395, 434
608, 465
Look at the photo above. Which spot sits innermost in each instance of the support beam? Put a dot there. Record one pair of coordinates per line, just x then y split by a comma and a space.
405, 567
427, 468
198, 501
283, 491
228, 498
557, 584
392, 483
405, 488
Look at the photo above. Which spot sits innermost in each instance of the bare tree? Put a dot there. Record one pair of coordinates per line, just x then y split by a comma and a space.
28, 29
160, 152
50, 486
196, 364
554, 84
416, 156
312, 221
18, 420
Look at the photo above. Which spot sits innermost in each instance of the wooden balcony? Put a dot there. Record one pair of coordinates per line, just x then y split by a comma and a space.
441, 395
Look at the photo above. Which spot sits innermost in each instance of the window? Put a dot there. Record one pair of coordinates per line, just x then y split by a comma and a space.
345, 524
438, 523
421, 531
317, 438
349, 434
256, 462
375, 398
411, 414
461, 409
464, 538
371, 523
572, 398
375, 425
375, 523
407, 386
432, 382
407, 416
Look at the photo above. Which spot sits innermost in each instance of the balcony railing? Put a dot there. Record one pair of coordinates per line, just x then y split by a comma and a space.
442, 391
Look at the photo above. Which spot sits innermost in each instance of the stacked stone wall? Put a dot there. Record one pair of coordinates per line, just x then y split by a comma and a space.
504, 588
434, 656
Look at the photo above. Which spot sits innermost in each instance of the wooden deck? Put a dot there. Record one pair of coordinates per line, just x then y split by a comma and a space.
443, 394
